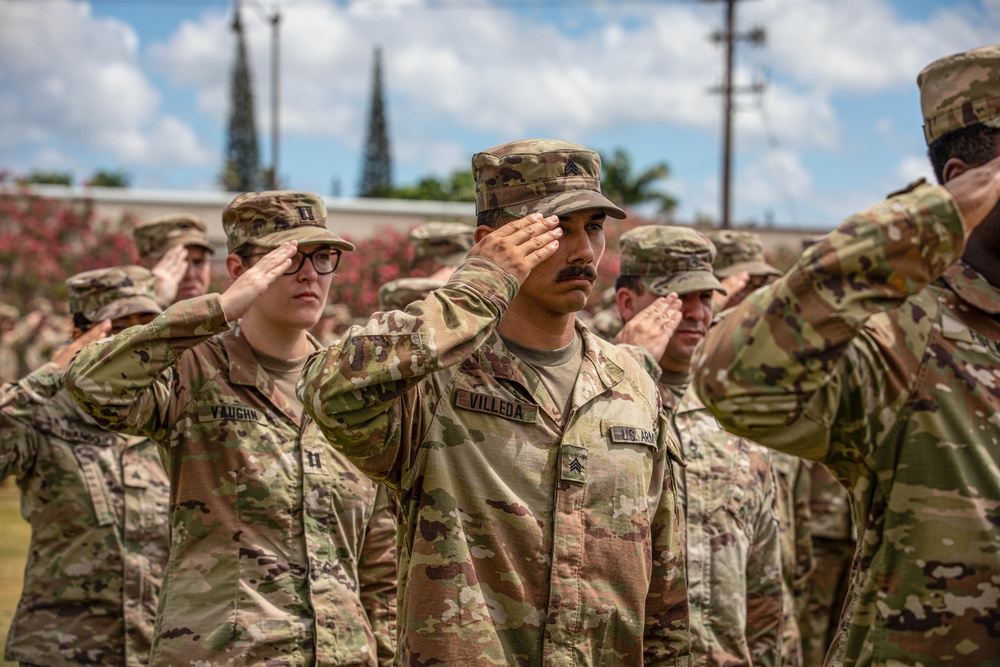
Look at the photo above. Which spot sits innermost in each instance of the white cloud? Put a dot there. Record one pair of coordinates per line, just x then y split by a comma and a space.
912, 167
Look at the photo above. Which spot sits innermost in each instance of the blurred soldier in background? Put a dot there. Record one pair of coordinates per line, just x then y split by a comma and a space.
741, 267
439, 247
177, 250
96, 501
400, 293
727, 489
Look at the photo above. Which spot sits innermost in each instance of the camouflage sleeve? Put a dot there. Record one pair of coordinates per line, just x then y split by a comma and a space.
765, 594
667, 638
781, 369
643, 357
354, 388
805, 560
125, 382
377, 574
19, 401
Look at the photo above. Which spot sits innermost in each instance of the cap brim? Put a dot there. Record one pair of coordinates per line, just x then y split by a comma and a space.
303, 234
683, 283
753, 268
565, 203
132, 305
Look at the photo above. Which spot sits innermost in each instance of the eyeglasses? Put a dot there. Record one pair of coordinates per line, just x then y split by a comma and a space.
324, 261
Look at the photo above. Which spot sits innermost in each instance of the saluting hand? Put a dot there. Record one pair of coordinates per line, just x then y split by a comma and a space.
254, 281
169, 272
653, 326
521, 245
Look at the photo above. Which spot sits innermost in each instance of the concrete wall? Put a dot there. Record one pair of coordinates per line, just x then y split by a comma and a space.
355, 218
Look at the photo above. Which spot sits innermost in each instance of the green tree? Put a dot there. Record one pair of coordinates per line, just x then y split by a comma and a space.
106, 178
376, 171
241, 171
457, 187
624, 188
42, 177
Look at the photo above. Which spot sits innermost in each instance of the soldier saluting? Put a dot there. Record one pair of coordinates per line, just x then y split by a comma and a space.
539, 518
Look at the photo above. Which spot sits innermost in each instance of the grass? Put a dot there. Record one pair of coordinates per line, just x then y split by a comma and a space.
13, 554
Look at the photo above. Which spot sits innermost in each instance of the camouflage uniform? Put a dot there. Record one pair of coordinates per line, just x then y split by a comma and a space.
282, 552
877, 355
97, 505
834, 543
727, 486
736, 251
528, 536
10, 365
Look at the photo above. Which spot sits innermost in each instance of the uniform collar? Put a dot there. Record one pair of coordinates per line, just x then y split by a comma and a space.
972, 287
246, 371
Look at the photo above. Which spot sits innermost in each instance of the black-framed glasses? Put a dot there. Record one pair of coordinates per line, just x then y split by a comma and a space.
324, 261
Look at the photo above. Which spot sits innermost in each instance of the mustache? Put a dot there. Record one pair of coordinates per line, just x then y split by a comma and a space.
576, 271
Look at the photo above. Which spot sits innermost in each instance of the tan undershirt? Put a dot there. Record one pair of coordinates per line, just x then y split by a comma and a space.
284, 373
557, 369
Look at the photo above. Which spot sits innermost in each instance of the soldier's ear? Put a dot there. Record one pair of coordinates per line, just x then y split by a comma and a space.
625, 300
234, 265
954, 168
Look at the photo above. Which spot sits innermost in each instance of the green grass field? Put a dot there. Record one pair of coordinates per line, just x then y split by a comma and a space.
13, 553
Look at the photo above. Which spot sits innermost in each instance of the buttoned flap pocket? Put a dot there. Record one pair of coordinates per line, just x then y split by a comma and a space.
231, 412
97, 465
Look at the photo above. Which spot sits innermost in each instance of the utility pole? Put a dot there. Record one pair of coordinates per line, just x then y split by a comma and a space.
275, 89
275, 20
728, 37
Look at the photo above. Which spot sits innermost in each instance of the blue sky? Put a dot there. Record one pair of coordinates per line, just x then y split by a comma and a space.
143, 86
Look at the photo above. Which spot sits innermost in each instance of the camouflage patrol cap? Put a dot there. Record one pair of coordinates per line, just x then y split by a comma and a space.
960, 90
669, 259
737, 251
268, 219
8, 312
448, 242
104, 294
400, 293
154, 237
540, 175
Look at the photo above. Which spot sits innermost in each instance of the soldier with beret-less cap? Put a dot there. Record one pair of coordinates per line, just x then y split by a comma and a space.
876, 356
400, 293
282, 552
727, 486
96, 500
739, 264
176, 249
538, 521
439, 245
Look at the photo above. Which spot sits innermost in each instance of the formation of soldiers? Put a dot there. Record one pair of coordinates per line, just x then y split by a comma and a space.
743, 468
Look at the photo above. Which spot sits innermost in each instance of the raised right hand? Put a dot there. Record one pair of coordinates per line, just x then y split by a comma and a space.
521, 245
653, 326
253, 282
169, 272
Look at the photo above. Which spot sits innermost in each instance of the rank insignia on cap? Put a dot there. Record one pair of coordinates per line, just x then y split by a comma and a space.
571, 168
305, 213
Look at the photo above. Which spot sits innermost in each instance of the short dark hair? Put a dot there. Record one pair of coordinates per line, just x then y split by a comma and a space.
80, 322
494, 218
633, 283
974, 145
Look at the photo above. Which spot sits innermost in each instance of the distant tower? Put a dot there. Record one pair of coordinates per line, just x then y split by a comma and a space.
376, 172
241, 172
